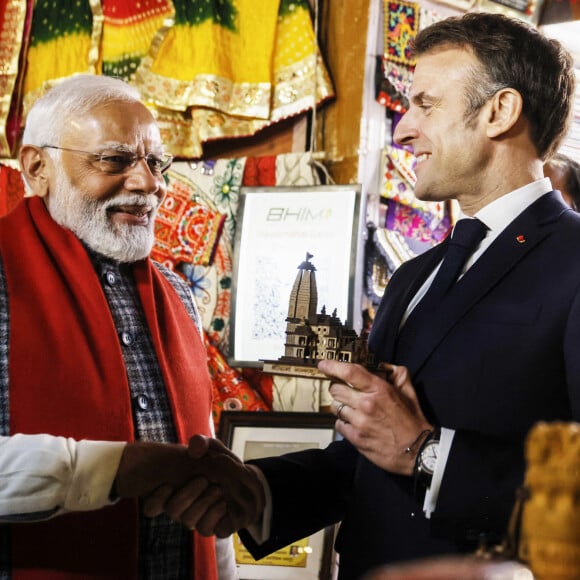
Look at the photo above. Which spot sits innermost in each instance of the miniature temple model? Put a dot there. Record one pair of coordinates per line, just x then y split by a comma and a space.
312, 336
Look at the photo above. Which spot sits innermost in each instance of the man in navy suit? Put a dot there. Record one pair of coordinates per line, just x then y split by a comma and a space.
432, 457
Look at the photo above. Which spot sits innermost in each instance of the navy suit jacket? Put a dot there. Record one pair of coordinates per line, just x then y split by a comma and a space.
501, 353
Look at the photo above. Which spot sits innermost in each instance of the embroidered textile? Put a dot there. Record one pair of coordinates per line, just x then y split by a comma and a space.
424, 221
230, 69
218, 182
13, 18
231, 390
401, 27
413, 222
190, 240
185, 231
128, 31
398, 175
64, 40
212, 188
395, 67
393, 84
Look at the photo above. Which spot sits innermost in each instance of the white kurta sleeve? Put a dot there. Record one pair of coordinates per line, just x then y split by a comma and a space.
43, 475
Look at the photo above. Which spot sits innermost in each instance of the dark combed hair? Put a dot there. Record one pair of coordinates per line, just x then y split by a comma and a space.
513, 54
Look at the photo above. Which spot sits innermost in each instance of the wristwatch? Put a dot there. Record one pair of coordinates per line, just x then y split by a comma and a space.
427, 459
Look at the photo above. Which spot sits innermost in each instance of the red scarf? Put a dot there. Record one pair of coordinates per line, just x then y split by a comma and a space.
67, 377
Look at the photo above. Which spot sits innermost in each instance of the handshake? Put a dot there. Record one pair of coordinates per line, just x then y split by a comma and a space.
202, 486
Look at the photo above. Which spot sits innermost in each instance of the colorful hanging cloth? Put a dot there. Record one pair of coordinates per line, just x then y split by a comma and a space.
425, 221
185, 230
395, 67
231, 390
128, 30
401, 26
230, 68
14, 16
206, 58
196, 205
64, 40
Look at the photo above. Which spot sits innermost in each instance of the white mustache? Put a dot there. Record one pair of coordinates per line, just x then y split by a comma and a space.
149, 201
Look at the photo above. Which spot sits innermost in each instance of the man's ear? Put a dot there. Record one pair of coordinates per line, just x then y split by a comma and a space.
34, 168
505, 110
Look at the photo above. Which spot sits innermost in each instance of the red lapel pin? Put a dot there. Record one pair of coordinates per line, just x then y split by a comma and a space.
521, 239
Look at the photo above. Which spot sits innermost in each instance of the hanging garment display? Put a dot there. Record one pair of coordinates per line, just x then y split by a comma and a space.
207, 69
394, 76
128, 31
230, 69
425, 221
14, 31
64, 40
395, 67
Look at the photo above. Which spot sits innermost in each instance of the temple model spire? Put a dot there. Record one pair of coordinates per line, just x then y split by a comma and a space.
304, 295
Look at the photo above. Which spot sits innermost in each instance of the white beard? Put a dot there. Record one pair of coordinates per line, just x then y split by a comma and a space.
89, 220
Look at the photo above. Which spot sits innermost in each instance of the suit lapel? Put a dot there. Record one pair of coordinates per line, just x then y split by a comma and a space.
405, 284
513, 244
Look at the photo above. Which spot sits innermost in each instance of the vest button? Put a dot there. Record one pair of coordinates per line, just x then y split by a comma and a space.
111, 278
143, 402
126, 339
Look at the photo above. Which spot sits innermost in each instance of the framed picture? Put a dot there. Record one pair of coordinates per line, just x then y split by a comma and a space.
276, 228
253, 435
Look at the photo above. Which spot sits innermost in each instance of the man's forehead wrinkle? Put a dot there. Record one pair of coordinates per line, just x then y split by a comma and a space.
131, 147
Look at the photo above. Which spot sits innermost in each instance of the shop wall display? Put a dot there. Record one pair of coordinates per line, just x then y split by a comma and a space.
207, 70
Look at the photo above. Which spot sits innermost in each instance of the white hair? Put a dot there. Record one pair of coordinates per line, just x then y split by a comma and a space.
74, 96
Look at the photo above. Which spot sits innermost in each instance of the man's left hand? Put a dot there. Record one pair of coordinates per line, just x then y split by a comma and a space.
381, 418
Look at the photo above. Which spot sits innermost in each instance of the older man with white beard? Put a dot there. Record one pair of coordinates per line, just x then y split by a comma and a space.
103, 374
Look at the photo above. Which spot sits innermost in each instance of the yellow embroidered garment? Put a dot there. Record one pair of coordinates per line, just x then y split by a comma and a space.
12, 20
230, 68
64, 41
128, 30
208, 69
215, 55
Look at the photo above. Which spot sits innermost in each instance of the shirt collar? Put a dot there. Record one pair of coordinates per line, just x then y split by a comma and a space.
500, 212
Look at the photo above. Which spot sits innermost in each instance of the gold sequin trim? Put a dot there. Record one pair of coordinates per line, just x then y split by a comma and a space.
10, 45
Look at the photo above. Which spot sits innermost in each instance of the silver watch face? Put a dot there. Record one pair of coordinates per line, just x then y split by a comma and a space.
428, 457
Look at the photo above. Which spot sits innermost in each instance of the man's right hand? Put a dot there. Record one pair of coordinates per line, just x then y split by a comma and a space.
157, 470
196, 507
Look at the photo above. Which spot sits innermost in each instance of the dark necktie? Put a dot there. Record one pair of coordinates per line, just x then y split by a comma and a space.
465, 238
